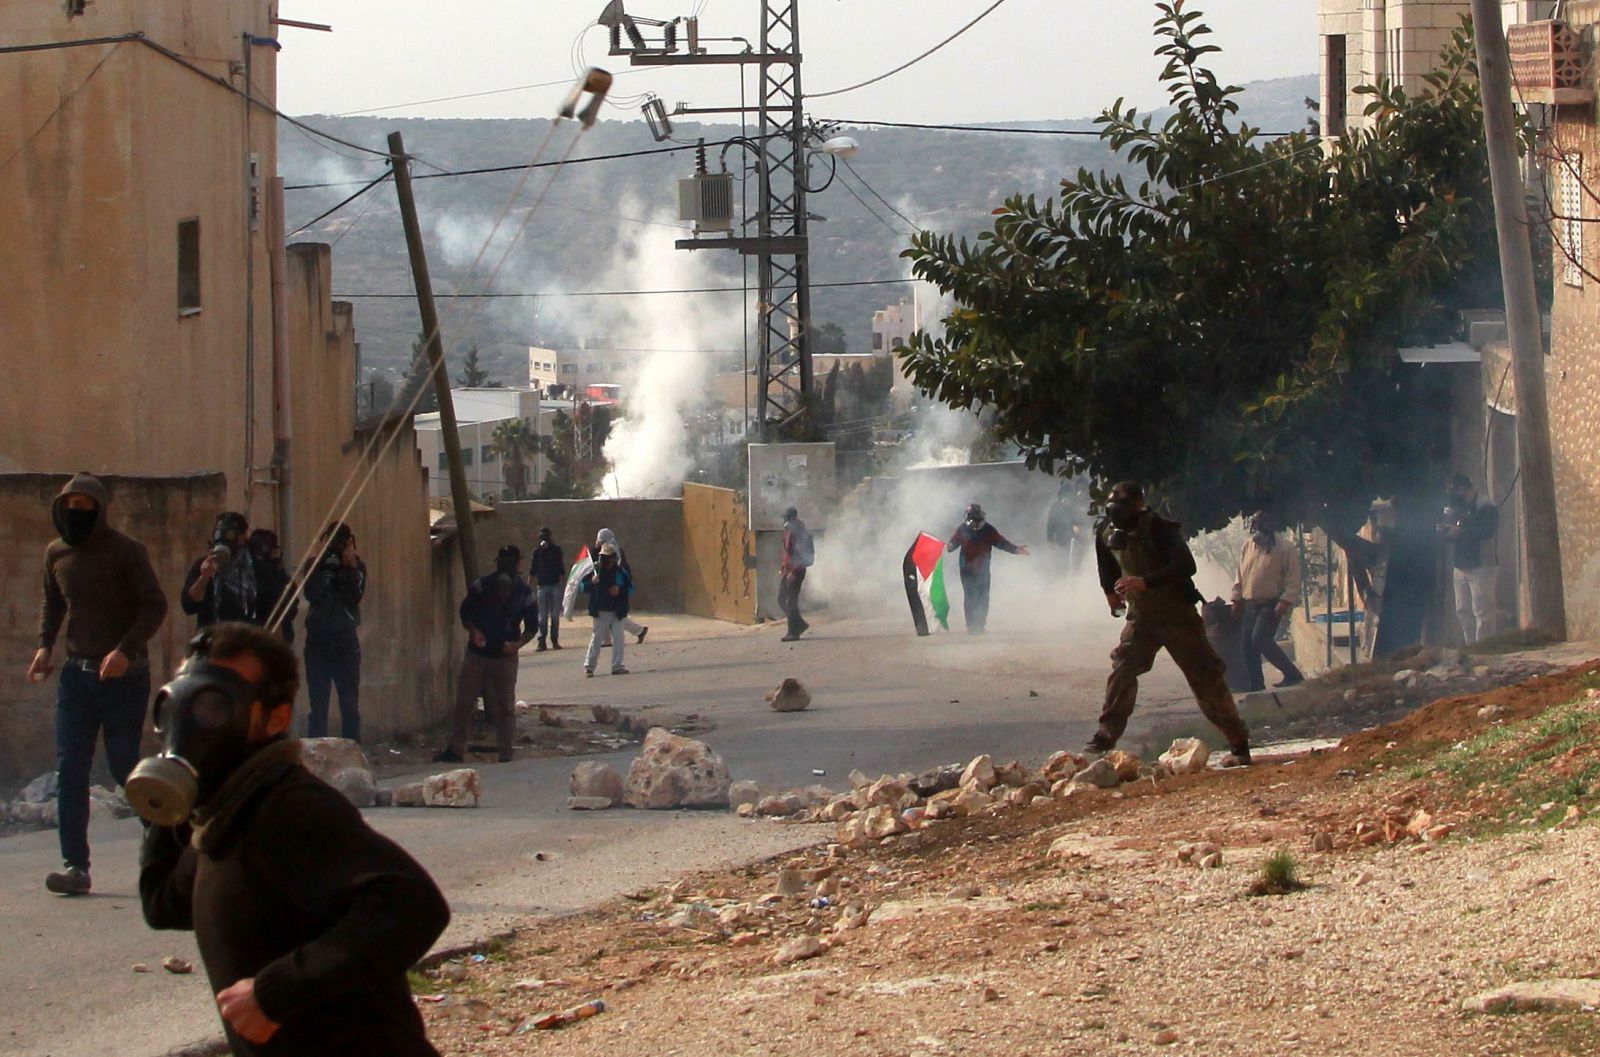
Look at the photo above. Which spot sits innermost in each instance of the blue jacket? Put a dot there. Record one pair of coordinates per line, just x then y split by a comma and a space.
597, 585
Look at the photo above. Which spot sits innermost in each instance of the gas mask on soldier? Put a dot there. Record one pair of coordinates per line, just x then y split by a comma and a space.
203, 715
1124, 515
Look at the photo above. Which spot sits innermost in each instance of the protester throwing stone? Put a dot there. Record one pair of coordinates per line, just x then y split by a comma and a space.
608, 586
977, 540
100, 587
306, 918
1146, 569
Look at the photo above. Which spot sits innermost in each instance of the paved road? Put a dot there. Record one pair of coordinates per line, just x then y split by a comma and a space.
884, 701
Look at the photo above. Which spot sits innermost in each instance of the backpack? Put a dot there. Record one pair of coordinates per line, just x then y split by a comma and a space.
805, 550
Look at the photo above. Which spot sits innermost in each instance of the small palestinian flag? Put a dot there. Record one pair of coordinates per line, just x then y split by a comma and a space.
582, 567
924, 575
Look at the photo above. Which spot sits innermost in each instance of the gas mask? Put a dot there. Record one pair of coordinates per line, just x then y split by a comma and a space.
204, 717
1263, 531
229, 530
1124, 513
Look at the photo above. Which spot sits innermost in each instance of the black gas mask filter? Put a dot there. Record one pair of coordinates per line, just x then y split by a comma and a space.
203, 715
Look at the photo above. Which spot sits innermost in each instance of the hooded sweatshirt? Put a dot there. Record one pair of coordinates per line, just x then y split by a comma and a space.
103, 590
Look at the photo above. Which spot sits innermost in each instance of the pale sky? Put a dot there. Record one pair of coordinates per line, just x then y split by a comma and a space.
1030, 59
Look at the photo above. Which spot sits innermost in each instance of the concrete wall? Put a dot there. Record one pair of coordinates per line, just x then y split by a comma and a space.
91, 205
162, 512
650, 530
1572, 379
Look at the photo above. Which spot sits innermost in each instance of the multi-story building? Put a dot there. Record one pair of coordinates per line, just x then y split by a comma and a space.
1365, 41
577, 368
479, 412
160, 333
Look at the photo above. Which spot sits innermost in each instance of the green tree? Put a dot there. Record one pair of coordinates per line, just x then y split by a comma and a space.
473, 376
1225, 328
516, 441
828, 339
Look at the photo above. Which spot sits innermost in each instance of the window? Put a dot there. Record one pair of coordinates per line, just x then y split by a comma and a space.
466, 455
486, 454
76, 7
1334, 78
1570, 223
444, 461
877, 341
189, 267
569, 368
596, 368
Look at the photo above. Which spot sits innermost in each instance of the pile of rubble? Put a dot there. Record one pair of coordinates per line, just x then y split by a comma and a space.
36, 807
341, 763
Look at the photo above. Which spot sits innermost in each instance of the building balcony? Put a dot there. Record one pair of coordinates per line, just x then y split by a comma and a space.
1547, 64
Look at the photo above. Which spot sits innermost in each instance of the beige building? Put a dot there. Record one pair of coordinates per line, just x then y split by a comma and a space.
479, 412
158, 332
1365, 41
577, 368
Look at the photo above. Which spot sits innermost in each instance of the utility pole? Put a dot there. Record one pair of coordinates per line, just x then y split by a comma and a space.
1541, 541
781, 246
461, 499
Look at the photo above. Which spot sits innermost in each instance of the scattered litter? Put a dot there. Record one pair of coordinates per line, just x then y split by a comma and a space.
563, 1018
478, 958
140, 967
819, 772
176, 965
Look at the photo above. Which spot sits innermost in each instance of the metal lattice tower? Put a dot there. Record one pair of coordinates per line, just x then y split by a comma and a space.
780, 245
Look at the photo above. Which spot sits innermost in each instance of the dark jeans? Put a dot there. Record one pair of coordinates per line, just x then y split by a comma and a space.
1258, 638
334, 665
84, 706
789, 600
975, 597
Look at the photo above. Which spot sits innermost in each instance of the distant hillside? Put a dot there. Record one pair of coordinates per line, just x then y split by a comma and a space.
609, 226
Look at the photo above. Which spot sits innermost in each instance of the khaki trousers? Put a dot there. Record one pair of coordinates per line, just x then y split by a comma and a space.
495, 680
1185, 641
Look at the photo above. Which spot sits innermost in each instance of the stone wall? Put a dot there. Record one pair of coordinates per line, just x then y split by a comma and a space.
650, 530
163, 512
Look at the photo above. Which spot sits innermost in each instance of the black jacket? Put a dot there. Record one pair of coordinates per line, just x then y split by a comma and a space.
219, 603
1176, 571
513, 619
1471, 532
326, 915
597, 585
547, 566
333, 597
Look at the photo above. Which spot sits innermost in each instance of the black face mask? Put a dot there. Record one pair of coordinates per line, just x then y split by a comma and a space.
1124, 513
204, 716
79, 524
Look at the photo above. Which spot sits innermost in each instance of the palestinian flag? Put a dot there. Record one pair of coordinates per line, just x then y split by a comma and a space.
924, 575
581, 567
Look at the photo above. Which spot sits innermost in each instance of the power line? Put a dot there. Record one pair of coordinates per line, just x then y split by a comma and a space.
629, 293
476, 95
325, 214
1000, 130
868, 207
862, 180
69, 97
906, 65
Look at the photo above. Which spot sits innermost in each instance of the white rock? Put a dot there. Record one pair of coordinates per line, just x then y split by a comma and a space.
356, 784
888, 791
790, 696
744, 791
779, 806
40, 789
594, 779
1554, 996
589, 803
326, 757
883, 821
799, 949
673, 771
408, 795
1101, 773
980, 774
1186, 756
1404, 675
458, 788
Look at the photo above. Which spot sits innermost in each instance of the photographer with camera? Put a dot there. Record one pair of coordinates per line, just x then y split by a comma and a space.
1146, 569
333, 645
1469, 525
306, 917
222, 584
272, 579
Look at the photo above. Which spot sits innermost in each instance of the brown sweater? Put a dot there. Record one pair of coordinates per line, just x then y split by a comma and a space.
104, 591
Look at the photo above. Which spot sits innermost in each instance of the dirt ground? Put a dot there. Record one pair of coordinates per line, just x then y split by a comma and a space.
1444, 854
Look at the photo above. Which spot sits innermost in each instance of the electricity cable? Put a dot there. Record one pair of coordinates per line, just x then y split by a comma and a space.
630, 293
1000, 130
325, 214
907, 65
478, 95
62, 105
862, 181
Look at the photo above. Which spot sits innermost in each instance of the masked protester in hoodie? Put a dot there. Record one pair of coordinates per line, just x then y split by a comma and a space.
627, 623
272, 580
1265, 591
100, 587
977, 540
548, 571
333, 645
1147, 569
608, 586
222, 585
500, 617
306, 918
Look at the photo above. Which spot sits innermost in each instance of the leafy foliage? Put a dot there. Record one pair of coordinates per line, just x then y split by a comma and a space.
516, 441
1223, 326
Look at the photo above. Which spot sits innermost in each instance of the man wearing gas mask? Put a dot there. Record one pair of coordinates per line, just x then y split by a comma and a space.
307, 919
334, 591
222, 584
1146, 569
272, 580
1265, 591
100, 588
500, 617
977, 540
